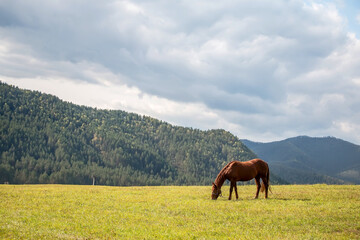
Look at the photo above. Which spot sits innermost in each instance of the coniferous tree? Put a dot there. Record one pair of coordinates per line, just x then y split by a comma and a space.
46, 140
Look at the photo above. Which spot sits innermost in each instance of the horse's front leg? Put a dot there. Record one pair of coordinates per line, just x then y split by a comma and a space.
237, 196
231, 189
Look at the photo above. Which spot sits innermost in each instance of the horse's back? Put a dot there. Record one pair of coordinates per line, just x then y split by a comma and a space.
244, 171
260, 165
259, 162
247, 170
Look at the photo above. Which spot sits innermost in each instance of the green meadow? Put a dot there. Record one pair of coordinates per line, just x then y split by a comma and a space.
178, 212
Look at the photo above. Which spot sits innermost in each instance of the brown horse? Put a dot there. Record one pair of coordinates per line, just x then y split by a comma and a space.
242, 171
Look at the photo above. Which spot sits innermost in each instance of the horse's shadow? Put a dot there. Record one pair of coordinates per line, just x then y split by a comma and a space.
292, 199
270, 199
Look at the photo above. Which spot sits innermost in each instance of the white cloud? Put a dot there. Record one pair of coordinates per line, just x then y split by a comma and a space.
261, 69
131, 99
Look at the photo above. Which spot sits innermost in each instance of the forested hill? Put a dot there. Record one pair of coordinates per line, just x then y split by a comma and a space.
47, 140
311, 160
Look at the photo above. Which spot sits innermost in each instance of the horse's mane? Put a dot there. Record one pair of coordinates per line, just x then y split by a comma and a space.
220, 179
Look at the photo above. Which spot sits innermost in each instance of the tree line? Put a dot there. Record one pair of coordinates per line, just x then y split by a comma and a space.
47, 140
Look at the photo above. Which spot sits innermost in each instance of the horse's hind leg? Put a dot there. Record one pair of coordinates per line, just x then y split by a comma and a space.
266, 185
257, 181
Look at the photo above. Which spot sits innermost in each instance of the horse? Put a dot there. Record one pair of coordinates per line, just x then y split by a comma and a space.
243, 171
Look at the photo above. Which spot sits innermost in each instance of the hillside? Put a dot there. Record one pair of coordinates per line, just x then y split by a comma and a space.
46, 140
311, 160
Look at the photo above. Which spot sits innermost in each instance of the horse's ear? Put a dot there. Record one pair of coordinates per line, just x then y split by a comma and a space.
214, 185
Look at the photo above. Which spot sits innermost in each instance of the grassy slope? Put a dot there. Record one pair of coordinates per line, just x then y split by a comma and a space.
93, 212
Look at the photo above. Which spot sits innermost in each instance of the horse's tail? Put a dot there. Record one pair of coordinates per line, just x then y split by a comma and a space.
267, 180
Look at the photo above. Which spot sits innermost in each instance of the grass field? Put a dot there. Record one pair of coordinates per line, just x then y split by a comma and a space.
99, 212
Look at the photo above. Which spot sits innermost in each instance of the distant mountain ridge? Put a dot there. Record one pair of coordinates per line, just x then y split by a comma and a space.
46, 140
308, 160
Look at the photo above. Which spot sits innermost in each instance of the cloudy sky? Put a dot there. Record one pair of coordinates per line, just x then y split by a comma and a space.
263, 70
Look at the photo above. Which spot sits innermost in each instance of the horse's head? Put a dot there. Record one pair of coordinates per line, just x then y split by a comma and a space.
216, 192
